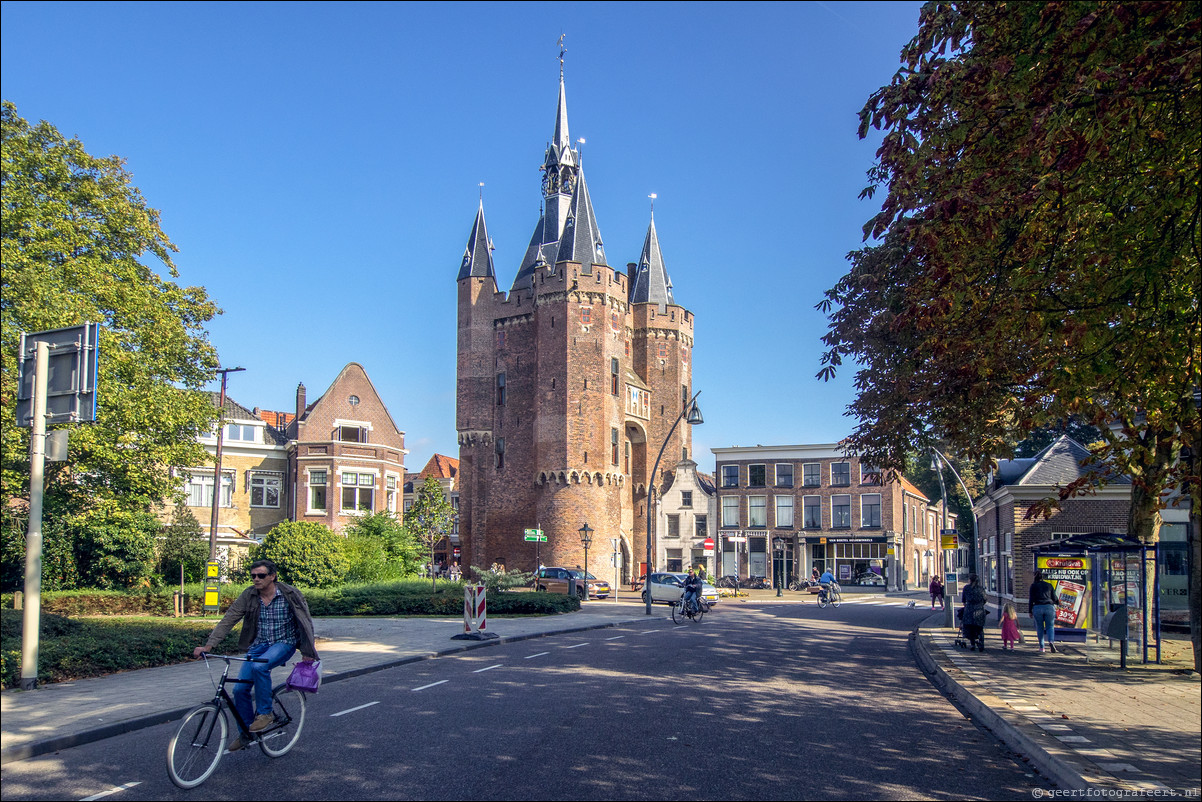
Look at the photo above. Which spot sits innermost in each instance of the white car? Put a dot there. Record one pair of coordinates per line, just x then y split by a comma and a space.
667, 589
870, 578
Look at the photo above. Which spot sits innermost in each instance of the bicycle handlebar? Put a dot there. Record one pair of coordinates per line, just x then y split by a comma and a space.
228, 657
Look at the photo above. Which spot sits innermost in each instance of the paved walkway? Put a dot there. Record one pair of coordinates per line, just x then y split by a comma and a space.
1077, 718
1075, 715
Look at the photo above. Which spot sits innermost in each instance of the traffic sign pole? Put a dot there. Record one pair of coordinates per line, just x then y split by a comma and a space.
31, 618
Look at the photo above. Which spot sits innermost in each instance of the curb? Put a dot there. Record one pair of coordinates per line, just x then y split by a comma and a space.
1062, 771
58, 743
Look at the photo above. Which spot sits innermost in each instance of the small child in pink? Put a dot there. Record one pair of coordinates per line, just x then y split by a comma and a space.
1010, 633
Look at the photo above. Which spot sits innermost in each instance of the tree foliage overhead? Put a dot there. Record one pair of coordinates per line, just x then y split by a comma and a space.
75, 233
1036, 256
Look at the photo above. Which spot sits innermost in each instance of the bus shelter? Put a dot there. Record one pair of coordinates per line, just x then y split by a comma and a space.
1098, 573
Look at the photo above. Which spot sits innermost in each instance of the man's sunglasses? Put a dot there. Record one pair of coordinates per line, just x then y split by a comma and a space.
259, 576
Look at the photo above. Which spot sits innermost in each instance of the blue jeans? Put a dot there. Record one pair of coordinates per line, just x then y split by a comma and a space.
276, 654
1045, 622
690, 597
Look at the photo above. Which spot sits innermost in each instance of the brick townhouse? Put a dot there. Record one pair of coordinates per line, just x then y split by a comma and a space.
830, 510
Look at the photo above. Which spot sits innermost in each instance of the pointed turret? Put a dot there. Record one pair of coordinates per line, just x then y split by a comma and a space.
561, 170
651, 283
536, 256
477, 257
581, 239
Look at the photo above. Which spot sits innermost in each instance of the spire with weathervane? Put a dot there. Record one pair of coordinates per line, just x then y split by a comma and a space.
651, 283
477, 256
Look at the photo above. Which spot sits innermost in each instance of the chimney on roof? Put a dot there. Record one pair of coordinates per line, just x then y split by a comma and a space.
300, 400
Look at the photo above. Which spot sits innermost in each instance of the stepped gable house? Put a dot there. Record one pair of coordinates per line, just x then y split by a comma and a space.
567, 384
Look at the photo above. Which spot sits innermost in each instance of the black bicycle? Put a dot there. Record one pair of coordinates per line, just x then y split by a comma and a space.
693, 612
832, 595
198, 744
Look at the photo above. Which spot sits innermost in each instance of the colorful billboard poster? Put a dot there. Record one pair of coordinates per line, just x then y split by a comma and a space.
1069, 575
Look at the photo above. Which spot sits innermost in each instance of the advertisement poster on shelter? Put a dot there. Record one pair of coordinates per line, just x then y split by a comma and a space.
1070, 577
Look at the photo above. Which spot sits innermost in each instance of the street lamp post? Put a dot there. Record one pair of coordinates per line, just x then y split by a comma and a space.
217, 464
586, 537
779, 543
691, 414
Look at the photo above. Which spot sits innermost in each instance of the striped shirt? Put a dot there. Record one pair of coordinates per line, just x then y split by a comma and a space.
276, 622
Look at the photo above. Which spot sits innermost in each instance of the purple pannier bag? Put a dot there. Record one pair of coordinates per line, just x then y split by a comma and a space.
305, 676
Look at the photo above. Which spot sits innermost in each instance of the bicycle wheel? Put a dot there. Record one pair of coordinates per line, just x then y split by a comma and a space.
698, 611
837, 599
822, 601
196, 748
678, 613
289, 709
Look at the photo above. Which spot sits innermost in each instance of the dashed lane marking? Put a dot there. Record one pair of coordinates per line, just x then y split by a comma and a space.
489, 668
577, 646
110, 792
352, 710
431, 685
540, 654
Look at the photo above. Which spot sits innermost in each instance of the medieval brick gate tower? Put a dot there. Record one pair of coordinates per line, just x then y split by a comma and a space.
567, 386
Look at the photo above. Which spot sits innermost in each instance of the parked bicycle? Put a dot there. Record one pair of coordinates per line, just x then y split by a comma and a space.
832, 596
197, 746
693, 611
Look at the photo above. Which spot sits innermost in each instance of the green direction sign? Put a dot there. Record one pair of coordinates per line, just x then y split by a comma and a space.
536, 534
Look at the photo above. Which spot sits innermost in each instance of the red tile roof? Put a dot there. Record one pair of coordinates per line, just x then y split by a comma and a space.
909, 487
277, 419
440, 466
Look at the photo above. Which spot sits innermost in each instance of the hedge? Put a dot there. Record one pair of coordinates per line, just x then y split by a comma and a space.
387, 598
69, 650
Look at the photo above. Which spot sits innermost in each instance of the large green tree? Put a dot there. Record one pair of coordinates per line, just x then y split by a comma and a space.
1036, 255
79, 242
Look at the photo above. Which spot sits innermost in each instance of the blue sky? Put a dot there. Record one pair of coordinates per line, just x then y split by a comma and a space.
318, 167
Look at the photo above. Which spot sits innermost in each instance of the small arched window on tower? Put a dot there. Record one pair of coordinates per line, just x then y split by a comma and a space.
501, 389
613, 380
500, 449
613, 441
663, 350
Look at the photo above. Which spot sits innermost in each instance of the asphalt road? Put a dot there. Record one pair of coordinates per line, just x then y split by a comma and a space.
758, 702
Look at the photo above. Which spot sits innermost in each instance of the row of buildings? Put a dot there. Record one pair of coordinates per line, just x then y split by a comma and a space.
571, 388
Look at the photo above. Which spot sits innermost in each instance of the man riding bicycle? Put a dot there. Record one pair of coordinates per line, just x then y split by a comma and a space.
825, 583
275, 624
692, 588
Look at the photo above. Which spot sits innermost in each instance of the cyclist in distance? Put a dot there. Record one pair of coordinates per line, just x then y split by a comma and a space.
692, 588
825, 581
275, 624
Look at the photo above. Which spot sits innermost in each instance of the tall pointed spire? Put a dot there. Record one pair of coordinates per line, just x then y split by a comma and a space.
581, 238
477, 256
651, 283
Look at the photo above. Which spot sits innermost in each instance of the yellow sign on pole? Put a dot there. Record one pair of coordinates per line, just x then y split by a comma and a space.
949, 541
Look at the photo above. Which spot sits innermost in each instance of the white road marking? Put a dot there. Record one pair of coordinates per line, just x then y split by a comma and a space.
616, 637
577, 646
490, 668
352, 710
110, 792
431, 685
540, 654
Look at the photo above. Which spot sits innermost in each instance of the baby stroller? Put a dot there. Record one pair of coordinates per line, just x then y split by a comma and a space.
961, 638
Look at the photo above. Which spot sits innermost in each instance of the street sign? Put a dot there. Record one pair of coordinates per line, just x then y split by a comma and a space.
948, 542
947, 531
212, 586
535, 535
708, 545
71, 381
737, 539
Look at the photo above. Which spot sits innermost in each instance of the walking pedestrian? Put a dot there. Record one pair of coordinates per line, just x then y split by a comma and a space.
1042, 601
937, 592
974, 613
1010, 631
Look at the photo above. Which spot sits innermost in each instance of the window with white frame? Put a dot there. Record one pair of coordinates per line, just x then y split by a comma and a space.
757, 511
784, 511
869, 474
317, 491
870, 510
812, 511
730, 510
701, 526
673, 526
265, 489
199, 490
390, 493
757, 475
840, 474
686, 498
240, 433
841, 512
730, 476
358, 491
784, 474
811, 474
349, 433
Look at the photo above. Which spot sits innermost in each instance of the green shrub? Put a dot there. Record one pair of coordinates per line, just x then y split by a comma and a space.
114, 548
58, 552
379, 549
77, 649
185, 546
305, 553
